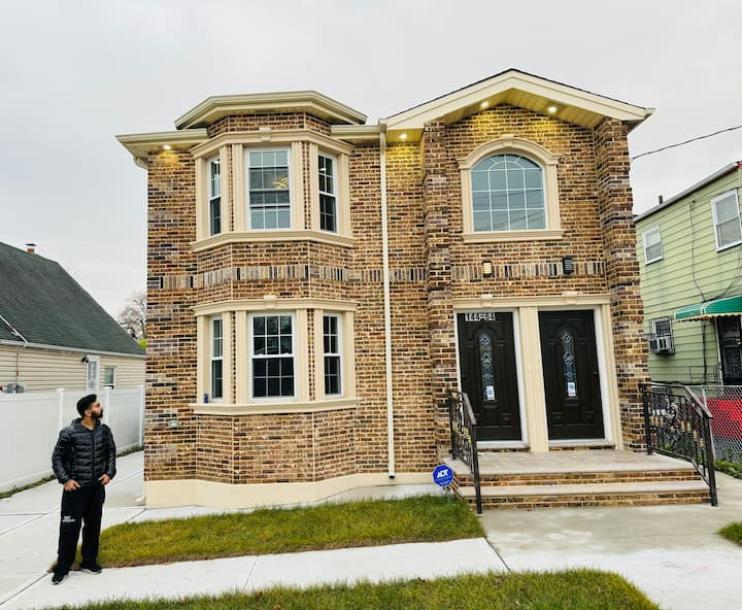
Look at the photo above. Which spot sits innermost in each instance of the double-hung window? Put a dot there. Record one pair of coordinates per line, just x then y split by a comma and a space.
272, 357
328, 212
217, 358
332, 355
215, 197
109, 377
269, 194
652, 239
727, 226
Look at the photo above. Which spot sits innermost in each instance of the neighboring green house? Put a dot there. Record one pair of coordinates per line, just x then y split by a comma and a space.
690, 257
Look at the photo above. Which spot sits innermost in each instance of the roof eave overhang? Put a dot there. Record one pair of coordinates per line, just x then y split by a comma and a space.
140, 145
313, 102
525, 90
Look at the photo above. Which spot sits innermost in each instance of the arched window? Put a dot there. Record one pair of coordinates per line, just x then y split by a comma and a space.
508, 194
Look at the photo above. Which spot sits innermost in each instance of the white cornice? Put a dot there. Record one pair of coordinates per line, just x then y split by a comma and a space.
216, 107
141, 144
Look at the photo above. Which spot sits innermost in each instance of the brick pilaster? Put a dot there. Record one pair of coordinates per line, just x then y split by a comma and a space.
622, 273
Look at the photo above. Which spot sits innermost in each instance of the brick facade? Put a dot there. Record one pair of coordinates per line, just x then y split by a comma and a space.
431, 266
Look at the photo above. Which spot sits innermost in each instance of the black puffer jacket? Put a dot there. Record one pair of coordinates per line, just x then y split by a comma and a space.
84, 455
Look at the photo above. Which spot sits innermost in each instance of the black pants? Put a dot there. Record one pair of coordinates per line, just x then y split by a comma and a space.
82, 505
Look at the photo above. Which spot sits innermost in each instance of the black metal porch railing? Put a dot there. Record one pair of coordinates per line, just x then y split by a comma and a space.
464, 438
678, 424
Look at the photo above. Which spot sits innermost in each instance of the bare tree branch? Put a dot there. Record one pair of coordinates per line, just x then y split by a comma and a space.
133, 317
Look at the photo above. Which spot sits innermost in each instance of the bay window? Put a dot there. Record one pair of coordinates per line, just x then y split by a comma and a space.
269, 192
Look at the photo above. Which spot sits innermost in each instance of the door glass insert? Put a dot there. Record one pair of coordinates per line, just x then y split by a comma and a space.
568, 363
487, 366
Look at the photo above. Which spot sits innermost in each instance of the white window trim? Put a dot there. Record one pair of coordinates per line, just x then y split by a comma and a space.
304, 145
96, 386
294, 197
212, 358
113, 384
645, 235
210, 194
714, 200
339, 353
548, 162
294, 356
335, 193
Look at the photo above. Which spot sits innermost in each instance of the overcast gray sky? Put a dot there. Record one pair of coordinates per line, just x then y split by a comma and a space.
75, 73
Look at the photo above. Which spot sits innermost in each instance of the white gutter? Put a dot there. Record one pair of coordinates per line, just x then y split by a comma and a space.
387, 305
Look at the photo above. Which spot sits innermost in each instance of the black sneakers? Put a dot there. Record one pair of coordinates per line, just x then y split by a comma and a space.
59, 577
91, 568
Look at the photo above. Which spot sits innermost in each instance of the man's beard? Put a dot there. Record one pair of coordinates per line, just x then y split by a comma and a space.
95, 415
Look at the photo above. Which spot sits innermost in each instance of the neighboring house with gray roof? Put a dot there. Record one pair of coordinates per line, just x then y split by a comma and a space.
53, 334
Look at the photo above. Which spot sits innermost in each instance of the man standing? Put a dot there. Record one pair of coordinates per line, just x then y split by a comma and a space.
84, 461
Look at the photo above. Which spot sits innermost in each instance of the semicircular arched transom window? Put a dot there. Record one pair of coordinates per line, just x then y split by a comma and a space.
508, 194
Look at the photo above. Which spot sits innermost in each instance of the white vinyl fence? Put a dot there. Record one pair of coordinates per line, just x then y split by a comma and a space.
30, 425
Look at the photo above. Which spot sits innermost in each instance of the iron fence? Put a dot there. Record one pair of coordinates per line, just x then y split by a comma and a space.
464, 438
677, 423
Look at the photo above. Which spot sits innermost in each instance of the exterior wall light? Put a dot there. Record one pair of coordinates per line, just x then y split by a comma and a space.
403, 137
568, 265
552, 108
166, 147
484, 104
486, 268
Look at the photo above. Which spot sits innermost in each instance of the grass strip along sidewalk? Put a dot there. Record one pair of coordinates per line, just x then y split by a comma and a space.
328, 526
732, 532
569, 590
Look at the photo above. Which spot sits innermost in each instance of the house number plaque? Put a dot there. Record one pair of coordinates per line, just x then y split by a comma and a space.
483, 316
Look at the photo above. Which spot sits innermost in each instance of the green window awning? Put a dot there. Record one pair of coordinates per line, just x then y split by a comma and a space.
729, 306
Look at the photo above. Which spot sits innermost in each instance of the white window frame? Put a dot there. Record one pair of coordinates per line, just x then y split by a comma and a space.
544, 195
113, 380
251, 355
96, 386
714, 201
213, 358
341, 363
211, 195
292, 196
334, 194
645, 235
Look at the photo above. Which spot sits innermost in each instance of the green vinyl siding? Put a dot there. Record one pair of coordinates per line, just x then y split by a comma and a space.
690, 271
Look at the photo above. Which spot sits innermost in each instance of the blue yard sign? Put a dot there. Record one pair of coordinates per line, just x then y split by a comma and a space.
442, 475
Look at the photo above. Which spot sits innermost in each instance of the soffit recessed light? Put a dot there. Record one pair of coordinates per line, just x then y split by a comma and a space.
166, 147
403, 136
552, 108
484, 104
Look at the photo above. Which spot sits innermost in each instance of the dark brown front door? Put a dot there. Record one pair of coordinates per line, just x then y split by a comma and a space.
488, 374
571, 377
730, 347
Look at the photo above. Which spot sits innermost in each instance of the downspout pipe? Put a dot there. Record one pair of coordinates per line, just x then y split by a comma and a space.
391, 466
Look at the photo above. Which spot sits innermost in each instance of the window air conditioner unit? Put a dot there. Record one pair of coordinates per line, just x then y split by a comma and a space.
665, 345
654, 344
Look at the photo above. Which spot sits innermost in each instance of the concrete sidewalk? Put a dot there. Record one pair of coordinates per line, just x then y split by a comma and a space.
672, 553
251, 573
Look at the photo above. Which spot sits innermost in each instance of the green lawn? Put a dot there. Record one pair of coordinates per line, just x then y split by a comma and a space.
732, 532
570, 590
328, 526
731, 468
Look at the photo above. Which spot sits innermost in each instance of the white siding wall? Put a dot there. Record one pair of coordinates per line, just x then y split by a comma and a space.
45, 370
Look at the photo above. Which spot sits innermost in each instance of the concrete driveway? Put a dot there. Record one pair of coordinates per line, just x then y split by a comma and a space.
671, 552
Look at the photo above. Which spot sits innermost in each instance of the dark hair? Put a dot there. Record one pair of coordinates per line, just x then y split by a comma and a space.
84, 403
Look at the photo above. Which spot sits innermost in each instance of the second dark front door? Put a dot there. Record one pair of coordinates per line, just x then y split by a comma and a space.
488, 373
571, 377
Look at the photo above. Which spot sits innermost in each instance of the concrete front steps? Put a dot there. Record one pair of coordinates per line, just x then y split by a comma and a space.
572, 479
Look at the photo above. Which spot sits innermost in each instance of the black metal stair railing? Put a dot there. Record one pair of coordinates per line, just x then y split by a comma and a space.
464, 438
678, 424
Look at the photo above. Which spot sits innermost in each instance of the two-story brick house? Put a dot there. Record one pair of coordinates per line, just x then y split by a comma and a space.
317, 286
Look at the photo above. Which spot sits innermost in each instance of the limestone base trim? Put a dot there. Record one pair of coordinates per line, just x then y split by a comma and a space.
196, 492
